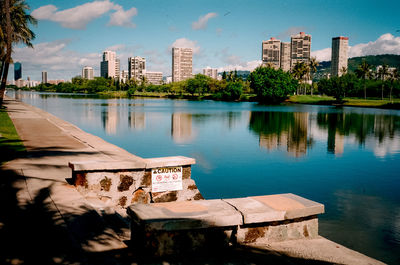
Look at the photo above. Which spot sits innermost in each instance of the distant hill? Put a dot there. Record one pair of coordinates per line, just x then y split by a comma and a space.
390, 59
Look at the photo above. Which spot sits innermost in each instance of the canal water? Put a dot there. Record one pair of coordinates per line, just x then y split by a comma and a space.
346, 158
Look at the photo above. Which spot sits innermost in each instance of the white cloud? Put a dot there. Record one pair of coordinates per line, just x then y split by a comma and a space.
123, 18
186, 43
385, 44
244, 66
322, 55
54, 57
202, 22
78, 17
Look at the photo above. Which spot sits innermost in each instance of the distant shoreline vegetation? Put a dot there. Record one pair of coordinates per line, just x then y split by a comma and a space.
265, 85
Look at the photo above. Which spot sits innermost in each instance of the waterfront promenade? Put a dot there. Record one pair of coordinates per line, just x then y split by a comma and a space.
46, 220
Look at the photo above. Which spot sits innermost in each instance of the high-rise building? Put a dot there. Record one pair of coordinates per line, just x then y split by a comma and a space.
340, 46
87, 73
300, 48
211, 72
271, 50
108, 65
154, 78
44, 77
136, 68
285, 56
117, 68
124, 76
182, 60
17, 71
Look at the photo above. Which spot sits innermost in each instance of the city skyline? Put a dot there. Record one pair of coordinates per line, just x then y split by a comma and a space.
224, 34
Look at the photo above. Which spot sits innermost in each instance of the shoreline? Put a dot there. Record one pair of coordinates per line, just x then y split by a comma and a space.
295, 99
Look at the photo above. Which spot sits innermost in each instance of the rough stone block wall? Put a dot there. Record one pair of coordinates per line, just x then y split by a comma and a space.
300, 228
125, 187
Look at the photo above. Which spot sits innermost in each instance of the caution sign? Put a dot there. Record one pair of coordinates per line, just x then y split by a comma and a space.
166, 179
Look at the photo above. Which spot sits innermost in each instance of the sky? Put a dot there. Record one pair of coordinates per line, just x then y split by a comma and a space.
224, 34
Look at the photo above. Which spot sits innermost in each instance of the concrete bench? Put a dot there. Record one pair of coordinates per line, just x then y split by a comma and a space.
181, 227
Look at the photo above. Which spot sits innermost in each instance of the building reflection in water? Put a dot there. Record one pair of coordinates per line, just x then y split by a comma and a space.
136, 120
109, 117
181, 127
282, 129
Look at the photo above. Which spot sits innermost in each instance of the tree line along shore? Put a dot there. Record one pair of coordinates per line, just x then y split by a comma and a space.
363, 87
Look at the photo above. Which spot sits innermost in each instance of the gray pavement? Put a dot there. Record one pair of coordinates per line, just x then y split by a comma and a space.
44, 220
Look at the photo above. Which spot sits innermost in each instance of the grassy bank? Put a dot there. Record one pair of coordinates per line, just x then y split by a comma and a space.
355, 102
10, 143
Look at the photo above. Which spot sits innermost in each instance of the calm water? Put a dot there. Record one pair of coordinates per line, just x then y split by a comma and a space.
345, 158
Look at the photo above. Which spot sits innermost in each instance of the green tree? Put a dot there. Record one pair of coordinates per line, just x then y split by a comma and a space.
224, 75
382, 74
394, 76
300, 72
313, 69
232, 91
14, 29
272, 85
364, 71
198, 84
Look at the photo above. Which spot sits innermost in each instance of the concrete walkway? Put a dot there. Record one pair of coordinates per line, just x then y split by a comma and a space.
44, 220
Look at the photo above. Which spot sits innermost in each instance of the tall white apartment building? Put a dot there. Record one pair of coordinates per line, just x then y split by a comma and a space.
271, 52
154, 78
340, 46
108, 65
300, 48
87, 73
136, 68
182, 60
285, 56
211, 72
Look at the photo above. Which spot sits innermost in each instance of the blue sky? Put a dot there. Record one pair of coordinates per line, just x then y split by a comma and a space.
224, 34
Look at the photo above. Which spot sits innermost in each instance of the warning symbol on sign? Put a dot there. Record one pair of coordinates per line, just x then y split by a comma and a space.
166, 179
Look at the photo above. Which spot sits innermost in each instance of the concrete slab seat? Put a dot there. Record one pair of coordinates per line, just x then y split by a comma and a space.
121, 183
174, 228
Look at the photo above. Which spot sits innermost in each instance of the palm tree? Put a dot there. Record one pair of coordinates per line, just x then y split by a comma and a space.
343, 70
393, 76
364, 72
313, 69
300, 72
269, 65
382, 73
14, 28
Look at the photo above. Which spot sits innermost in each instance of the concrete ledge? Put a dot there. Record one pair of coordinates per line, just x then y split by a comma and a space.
106, 165
278, 207
184, 215
170, 161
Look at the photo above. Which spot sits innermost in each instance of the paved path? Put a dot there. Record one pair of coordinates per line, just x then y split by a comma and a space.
40, 181
44, 220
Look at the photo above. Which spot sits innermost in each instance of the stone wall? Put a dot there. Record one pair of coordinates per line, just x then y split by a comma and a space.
121, 183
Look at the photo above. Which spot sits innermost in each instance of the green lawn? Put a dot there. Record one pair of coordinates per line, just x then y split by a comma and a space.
10, 144
357, 102
308, 99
